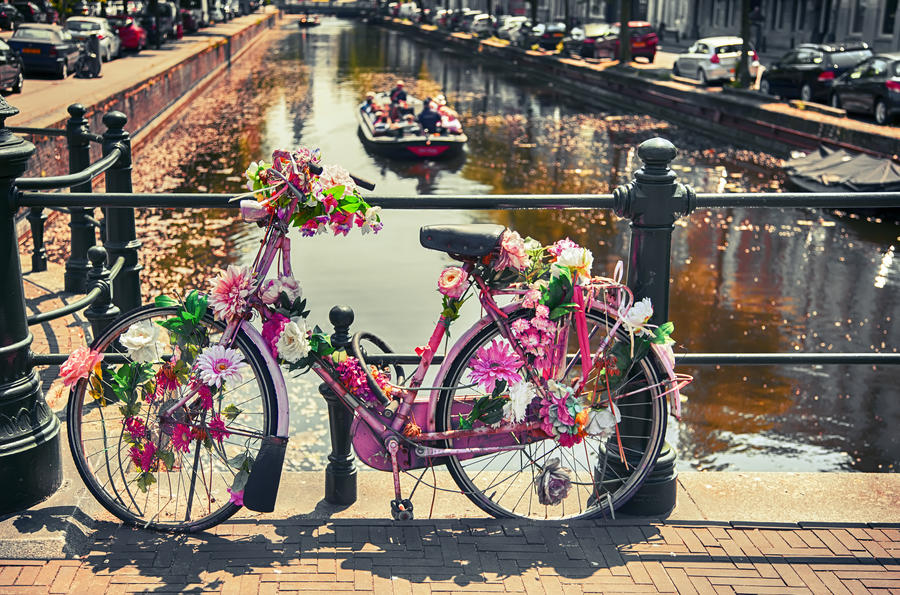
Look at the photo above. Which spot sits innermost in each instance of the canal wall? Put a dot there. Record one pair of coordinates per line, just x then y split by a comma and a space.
743, 117
150, 101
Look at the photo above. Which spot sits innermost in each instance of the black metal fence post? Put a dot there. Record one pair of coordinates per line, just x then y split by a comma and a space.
84, 235
30, 462
340, 474
37, 218
653, 202
102, 312
120, 235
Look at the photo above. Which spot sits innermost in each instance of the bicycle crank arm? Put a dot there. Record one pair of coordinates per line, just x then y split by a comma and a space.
428, 451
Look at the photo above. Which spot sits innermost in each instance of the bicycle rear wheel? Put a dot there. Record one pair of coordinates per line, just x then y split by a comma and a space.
503, 483
190, 491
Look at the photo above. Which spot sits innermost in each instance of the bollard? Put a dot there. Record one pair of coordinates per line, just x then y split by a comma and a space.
120, 235
30, 463
102, 312
340, 474
653, 202
36, 218
82, 228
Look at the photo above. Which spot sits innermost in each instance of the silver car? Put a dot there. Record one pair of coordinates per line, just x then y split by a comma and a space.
713, 59
83, 27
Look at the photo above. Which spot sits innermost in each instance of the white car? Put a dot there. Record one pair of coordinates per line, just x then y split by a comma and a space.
713, 59
482, 25
83, 27
509, 25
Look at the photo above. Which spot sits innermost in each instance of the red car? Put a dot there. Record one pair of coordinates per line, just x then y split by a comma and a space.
643, 41
133, 36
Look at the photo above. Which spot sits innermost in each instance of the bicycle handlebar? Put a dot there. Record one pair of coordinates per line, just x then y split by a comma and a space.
365, 184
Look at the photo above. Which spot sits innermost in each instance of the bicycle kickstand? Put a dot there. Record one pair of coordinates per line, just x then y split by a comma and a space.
401, 508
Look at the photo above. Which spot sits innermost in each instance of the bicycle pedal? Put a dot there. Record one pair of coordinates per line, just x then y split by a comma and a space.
402, 510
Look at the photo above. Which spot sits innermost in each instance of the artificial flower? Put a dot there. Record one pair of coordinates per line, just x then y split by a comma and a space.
512, 252
219, 364
602, 422
272, 288
335, 175
293, 343
237, 497
79, 365
637, 316
561, 245
141, 341
228, 298
553, 483
142, 455
453, 282
520, 396
579, 261
217, 428
135, 427
205, 395
166, 381
372, 220
181, 438
272, 329
495, 362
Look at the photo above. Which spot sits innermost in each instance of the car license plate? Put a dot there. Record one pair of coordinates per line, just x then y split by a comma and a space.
731, 70
31, 51
638, 44
557, 35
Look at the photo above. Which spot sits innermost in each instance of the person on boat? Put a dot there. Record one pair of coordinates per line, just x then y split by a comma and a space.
428, 118
381, 124
398, 93
369, 105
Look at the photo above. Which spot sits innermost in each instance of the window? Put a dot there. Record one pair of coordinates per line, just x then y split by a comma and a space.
890, 16
876, 68
859, 16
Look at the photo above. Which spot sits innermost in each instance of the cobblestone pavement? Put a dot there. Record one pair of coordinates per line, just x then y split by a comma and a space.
472, 556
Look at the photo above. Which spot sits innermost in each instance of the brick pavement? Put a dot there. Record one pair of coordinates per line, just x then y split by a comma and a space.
476, 556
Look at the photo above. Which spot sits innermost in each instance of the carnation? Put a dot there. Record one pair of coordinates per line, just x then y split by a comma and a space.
293, 344
141, 341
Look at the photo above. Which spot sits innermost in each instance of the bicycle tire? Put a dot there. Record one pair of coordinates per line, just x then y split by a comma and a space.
645, 409
109, 474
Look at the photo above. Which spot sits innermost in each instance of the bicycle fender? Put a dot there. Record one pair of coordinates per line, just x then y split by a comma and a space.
282, 428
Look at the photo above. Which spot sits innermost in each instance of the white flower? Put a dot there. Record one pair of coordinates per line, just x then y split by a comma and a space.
636, 317
290, 286
579, 260
335, 175
603, 422
273, 288
372, 223
141, 340
520, 395
293, 344
532, 244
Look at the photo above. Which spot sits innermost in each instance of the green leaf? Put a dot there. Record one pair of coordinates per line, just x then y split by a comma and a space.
145, 480
164, 301
464, 424
230, 412
237, 461
240, 480
167, 457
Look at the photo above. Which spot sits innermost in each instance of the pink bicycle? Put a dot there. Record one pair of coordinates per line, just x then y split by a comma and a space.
552, 406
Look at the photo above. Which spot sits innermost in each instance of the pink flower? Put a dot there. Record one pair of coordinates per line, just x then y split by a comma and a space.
335, 175
181, 438
541, 311
341, 223
520, 326
205, 394
272, 329
495, 362
230, 291
142, 455
236, 497
512, 252
309, 229
135, 427
217, 429
453, 282
79, 365
561, 245
165, 382
219, 364
532, 297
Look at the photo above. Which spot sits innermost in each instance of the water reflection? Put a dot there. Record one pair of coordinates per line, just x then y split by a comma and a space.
744, 280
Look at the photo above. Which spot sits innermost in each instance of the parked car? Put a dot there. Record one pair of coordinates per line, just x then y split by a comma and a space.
83, 27
216, 14
508, 24
643, 41
713, 59
548, 36
231, 9
809, 71
45, 48
162, 26
131, 35
12, 72
199, 12
10, 17
872, 87
465, 22
31, 12
482, 25
582, 41
51, 15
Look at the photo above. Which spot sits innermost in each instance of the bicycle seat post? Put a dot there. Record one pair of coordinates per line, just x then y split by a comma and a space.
340, 473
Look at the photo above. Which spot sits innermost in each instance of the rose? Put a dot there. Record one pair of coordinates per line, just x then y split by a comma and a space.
293, 344
512, 252
637, 316
579, 260
79, 365
602, 422
553, 483
453, 282
273, 288
252, 210
141, 341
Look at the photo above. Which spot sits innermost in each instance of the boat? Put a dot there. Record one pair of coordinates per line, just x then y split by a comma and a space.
309, 20
410, 141
837, 170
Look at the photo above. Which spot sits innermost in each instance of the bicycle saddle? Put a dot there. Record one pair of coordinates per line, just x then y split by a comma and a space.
475, 240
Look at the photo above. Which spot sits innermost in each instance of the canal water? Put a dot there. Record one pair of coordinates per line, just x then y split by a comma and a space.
743, 280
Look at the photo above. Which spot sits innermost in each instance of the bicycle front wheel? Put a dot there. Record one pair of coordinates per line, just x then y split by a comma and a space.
604, 475
186, 486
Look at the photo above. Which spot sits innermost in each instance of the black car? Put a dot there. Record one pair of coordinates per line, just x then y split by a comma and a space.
10, 17
872, 87
161, 24
582, 40
548, 35
12, 72
45, 48
808, 71
31, 12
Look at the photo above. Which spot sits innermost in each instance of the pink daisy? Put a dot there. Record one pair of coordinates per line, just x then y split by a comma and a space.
228, 298
205, 394
135, 427
495, 362
217, 429
236, 497
219, 364
165, 382
79, 365
181, 438
142, 456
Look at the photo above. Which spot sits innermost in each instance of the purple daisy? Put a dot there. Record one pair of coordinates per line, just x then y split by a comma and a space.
219, 364
495, 362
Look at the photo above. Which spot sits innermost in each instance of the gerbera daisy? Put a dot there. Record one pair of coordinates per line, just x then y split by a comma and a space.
219, 364
135, 427
217, 429
230, 290
181, 438
205, 394
495, 362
